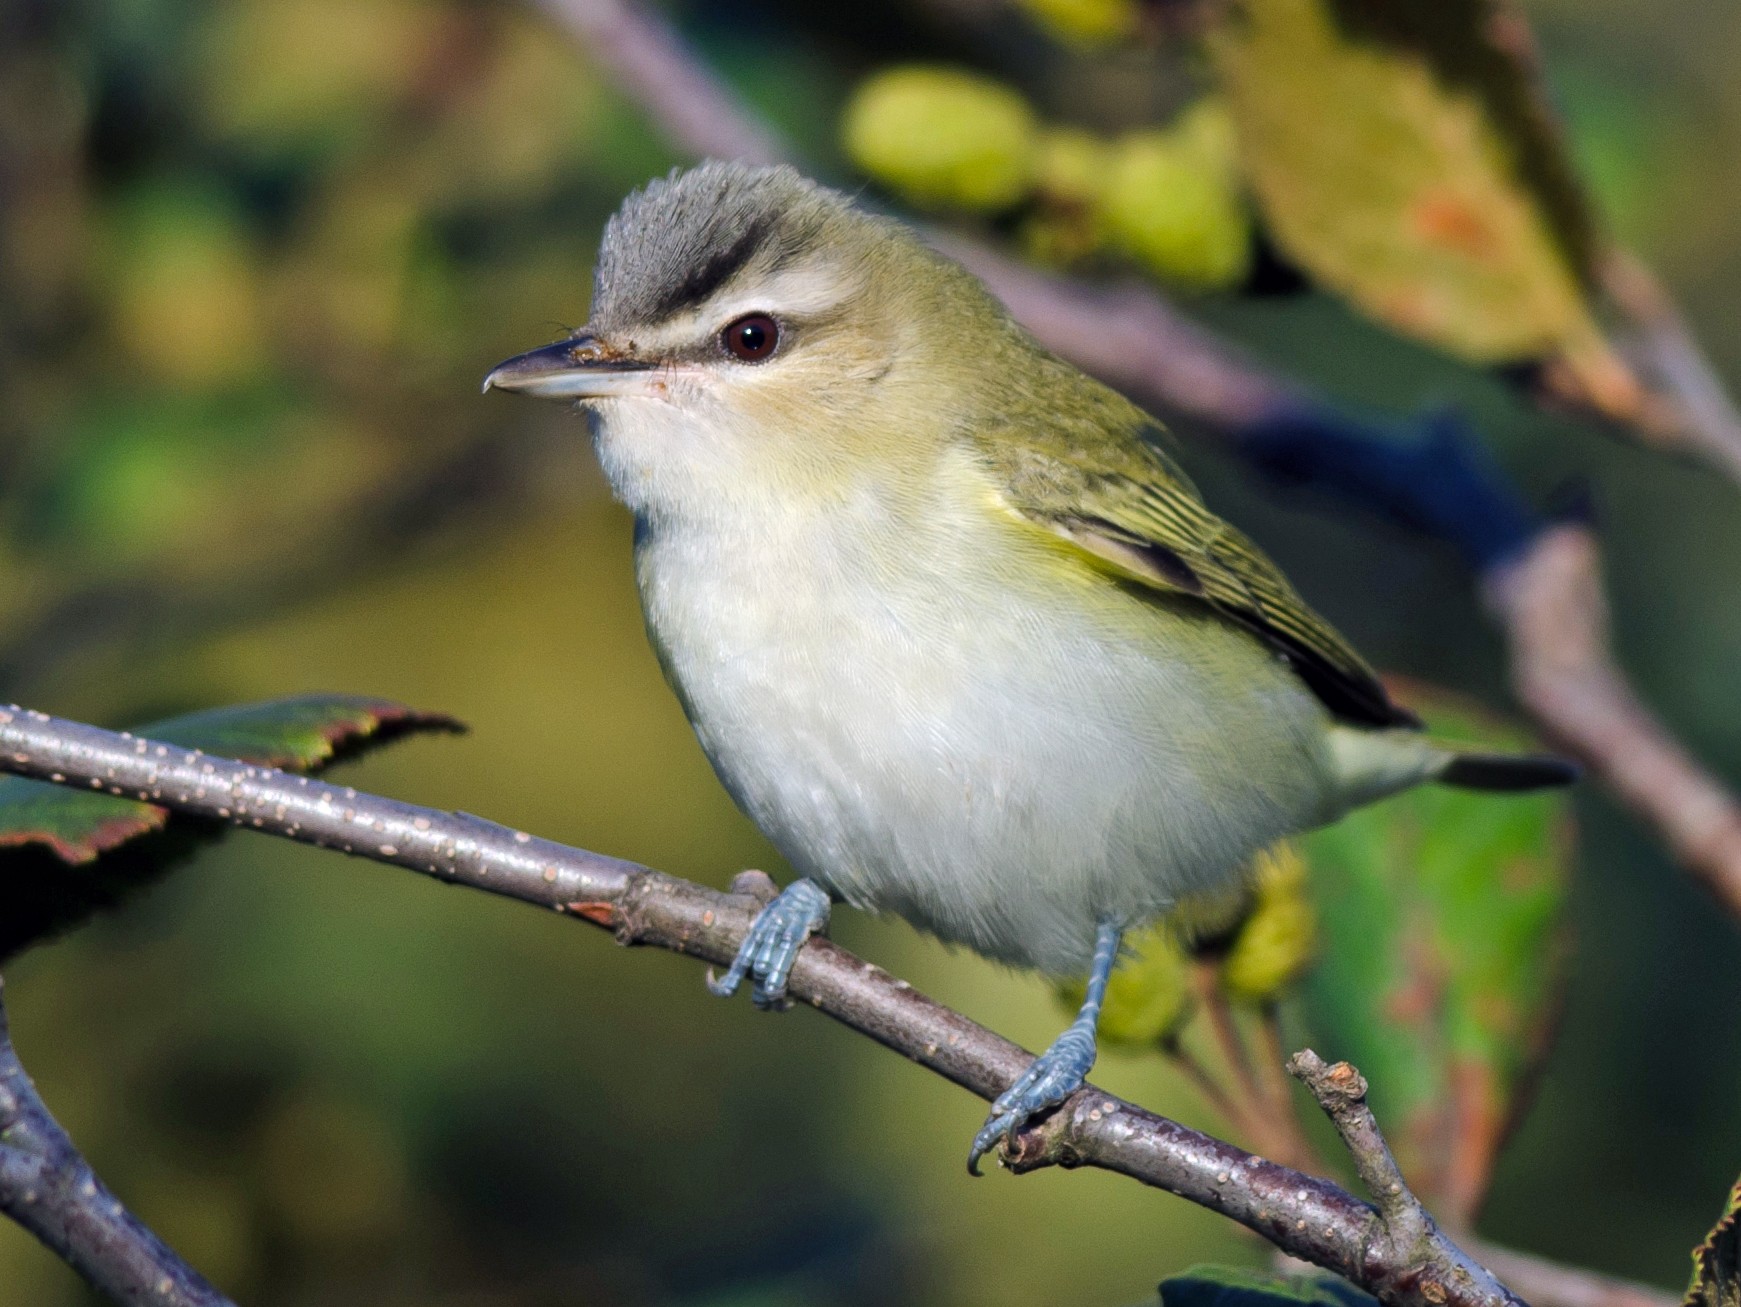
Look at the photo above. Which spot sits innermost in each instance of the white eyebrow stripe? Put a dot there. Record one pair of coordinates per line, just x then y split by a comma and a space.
801, 291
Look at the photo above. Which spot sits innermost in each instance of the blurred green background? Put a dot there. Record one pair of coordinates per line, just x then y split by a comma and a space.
255, 257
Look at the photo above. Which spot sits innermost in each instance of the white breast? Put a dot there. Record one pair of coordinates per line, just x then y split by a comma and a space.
1000, 765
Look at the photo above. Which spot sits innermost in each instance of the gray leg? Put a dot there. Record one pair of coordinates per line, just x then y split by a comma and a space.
772, 945
1058, 1072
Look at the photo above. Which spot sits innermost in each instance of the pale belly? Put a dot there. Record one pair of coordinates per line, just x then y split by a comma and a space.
1001, 768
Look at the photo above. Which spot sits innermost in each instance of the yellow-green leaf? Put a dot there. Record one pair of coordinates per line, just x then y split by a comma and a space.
1402, 155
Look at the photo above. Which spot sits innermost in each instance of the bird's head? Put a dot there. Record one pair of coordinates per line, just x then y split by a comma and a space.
755, 336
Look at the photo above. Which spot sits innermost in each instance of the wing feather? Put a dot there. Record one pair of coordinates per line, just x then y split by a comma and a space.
1125, 503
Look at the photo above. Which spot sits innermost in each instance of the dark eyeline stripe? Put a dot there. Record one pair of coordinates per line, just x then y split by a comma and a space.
712, 272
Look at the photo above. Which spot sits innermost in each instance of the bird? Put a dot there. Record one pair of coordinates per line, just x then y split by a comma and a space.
950, 622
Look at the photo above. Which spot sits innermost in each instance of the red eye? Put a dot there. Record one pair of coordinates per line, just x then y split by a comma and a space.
751, 338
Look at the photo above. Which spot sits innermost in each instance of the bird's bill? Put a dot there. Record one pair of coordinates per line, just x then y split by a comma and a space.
581, 367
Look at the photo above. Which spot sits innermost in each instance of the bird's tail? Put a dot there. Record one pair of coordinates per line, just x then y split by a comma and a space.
1506, 773
1372, 764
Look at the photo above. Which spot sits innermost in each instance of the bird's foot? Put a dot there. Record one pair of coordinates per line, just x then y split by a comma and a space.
1051, 1078
771, 947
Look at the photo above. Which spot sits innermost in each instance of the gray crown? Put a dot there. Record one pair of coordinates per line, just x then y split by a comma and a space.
681, 238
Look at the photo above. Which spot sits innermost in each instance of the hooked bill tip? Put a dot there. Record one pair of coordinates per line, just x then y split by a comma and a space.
572, 369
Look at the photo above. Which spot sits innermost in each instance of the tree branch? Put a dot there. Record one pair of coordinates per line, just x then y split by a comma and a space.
1306, 1217
51, 1191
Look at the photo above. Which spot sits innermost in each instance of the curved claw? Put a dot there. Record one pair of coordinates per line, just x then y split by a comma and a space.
998, 1125
1050, 1079
771, 946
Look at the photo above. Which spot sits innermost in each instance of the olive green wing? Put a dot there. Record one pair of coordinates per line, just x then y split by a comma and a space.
1128, 506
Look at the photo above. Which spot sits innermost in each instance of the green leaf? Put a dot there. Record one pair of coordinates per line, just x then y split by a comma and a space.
51, 835
1235, 1286
1403, 155
1443, 942
1717, 1261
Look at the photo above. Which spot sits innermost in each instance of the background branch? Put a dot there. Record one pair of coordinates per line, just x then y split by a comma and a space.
1544, 1282
1306, 1217
49, 1189
1656, 338
1549, 599
1542, 582
651, 63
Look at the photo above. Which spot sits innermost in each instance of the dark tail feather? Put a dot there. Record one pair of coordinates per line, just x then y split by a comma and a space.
1502, 772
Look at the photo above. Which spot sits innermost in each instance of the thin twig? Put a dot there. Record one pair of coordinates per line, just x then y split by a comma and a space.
1265, 1118
1272, 1060
1252, 1120
1206, 981
1306, 1217
1409, 1234
1341, 1092
49, 1189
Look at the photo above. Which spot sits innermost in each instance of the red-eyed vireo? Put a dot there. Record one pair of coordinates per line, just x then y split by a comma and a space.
951, 626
